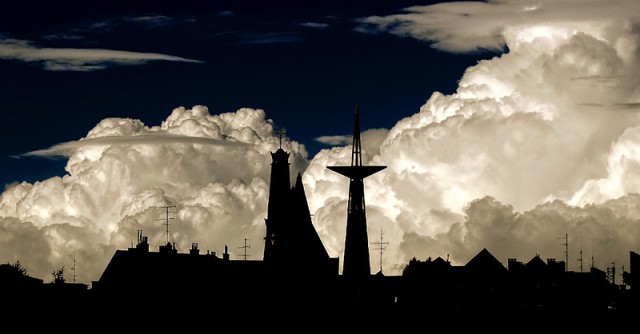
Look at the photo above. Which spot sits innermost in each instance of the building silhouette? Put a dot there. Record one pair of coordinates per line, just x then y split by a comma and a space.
292, 245
298, 282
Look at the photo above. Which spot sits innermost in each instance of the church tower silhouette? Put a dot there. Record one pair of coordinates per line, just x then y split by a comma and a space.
279, 188
292, 244
356, 248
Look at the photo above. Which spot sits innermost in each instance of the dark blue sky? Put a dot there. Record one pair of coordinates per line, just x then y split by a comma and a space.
302, 62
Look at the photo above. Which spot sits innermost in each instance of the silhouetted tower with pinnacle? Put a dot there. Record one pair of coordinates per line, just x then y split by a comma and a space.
356, 248
277, 209
292, 245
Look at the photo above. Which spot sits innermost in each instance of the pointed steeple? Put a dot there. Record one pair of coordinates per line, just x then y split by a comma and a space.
356, 249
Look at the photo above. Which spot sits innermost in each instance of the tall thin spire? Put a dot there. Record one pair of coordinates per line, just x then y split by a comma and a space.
356, 150
356, 249
280, 132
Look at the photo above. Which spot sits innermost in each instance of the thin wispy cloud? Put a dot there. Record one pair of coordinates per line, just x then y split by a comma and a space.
152, 20
334, 140
101, 26
371, 138
67, 149
72, 59
315, 25
147, 21
256, 38
63, 36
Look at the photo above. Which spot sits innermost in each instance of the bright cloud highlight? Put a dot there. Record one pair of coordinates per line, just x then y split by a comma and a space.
536, 143
215, 168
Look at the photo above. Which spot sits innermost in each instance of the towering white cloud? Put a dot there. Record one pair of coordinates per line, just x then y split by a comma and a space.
536, 143
553, 118
213, 168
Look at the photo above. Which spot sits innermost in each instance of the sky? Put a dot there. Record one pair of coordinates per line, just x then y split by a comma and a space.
504, 125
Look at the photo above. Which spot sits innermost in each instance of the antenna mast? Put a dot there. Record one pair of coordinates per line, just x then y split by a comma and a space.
581, 262
566, 251
611, 273
592, 258
167, 219
245, 249
74, 269
381, 247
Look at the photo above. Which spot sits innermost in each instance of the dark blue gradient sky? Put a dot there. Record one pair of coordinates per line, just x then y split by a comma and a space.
304, 63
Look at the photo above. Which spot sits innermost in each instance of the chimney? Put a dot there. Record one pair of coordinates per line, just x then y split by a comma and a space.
194, 249
225, 255
143, 243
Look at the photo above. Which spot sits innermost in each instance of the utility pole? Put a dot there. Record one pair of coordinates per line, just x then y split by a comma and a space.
381, 247
245, 249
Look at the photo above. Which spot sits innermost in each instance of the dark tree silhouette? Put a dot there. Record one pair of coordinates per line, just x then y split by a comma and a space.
18, 268
58, 276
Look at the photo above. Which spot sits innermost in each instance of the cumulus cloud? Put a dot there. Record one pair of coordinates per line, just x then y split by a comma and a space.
535, 143
70, 59
214, 168
603, 232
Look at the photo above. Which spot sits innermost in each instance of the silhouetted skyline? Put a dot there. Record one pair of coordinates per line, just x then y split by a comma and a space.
503, 125
297, 273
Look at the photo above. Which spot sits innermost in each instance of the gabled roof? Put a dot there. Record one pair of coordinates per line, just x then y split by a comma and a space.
485, 262
440, 263
536, 264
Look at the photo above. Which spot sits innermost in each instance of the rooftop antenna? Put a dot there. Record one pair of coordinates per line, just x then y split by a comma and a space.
581, 262
611, 273
74, 269
245, 249
167, 219
381, 247
592, 259
280, 133
566, 251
